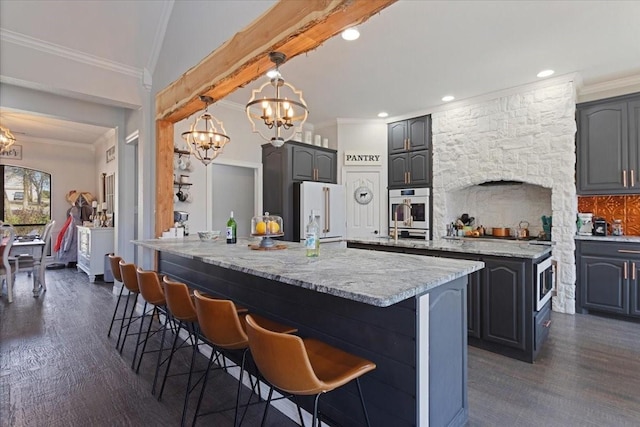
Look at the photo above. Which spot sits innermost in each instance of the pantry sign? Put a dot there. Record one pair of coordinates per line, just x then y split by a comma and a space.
362, 158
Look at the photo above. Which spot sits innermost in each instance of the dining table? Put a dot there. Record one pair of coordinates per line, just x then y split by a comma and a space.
33, 247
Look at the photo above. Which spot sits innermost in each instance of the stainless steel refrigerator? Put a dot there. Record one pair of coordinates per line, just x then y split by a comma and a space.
329, 204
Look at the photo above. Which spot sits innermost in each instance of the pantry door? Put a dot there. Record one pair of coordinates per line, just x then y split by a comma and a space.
365, 198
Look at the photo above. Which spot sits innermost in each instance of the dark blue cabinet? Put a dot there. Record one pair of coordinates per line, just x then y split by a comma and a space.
608, 277
409, 149
608, 146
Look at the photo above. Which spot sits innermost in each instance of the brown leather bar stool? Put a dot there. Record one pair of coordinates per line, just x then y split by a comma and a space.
153, 294
303, 367
182, 308
115, 268
130, 281
225, 329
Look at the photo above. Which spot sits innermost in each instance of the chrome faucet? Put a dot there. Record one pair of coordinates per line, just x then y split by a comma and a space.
406, 204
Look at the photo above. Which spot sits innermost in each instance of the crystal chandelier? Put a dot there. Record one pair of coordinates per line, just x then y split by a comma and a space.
279, 115
207, 136
6, 139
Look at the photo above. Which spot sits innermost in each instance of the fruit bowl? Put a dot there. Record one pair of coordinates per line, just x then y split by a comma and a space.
209, 236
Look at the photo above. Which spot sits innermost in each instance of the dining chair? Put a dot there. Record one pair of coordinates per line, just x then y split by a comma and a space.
37, 266
8, 267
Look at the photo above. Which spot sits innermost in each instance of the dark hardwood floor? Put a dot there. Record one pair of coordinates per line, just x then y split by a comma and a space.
588, 374
58, 368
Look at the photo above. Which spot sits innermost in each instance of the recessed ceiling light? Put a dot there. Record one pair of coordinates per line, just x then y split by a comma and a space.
545, 73
350, 34
448, 98
383, 114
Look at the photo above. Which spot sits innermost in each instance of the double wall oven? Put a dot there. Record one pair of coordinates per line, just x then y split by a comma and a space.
410, 207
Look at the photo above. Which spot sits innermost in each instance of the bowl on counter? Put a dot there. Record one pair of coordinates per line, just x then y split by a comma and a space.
209, 236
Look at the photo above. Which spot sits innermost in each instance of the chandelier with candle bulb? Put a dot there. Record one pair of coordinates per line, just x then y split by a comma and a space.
6, 139
206, 138
277, 110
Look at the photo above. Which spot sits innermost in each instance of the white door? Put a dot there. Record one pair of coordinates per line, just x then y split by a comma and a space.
365, 197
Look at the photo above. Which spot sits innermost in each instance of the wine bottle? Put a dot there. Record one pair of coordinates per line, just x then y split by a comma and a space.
311, 242
231, 229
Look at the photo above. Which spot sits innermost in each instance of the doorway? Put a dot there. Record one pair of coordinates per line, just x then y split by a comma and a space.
235, 187
363, 210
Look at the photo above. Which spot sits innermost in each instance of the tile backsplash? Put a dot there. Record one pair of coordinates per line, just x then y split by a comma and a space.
626, 208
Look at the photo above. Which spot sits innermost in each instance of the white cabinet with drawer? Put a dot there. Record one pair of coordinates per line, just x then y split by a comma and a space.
93, 245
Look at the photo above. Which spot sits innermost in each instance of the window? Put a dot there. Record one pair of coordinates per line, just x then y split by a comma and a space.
109, 190
26, 203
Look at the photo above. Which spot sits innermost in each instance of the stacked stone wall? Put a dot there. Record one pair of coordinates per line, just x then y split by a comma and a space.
527, 136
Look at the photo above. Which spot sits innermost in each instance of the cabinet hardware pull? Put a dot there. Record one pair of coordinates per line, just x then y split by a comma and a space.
547, 323
624, 178
404, 144
409, 175
628, 251
633, 180
633, 271
408, 143
405, 178
626, 270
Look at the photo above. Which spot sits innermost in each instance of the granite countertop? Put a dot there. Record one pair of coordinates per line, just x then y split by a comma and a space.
510, 249
618, 239
376, 278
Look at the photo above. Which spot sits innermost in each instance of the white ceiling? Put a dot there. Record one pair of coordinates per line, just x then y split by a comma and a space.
27, 127
407, 58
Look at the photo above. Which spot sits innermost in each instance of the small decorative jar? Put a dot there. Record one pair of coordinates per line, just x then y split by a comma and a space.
616, 228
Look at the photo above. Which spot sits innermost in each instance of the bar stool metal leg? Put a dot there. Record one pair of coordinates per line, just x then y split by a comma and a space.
115, 311
158, 363
144, 314
131, 319
364, 407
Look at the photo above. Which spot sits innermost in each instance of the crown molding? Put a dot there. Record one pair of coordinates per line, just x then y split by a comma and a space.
65, 52
610, 85
565, 78
348, 121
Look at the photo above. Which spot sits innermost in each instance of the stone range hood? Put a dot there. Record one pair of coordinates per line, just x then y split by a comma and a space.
528, 136
500, 204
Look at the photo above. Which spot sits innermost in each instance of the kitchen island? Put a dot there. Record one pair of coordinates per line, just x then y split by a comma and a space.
405, 313
508, 302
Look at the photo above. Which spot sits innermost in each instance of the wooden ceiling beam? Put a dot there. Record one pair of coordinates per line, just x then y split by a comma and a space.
292, 27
